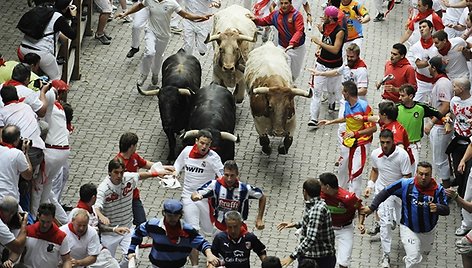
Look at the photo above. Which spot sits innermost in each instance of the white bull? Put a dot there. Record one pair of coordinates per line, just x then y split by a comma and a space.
269, 85
235, 35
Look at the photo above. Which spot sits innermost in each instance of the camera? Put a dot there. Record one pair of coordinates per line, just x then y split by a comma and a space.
38, 83
16, 219
24, 141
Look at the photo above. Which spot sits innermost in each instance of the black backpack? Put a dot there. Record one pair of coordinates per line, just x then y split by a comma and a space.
34, 22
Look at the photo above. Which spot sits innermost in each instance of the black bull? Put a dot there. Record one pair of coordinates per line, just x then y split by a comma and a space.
181, 77
213, 108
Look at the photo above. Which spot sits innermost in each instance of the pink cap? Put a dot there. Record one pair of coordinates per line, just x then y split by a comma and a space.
331, 11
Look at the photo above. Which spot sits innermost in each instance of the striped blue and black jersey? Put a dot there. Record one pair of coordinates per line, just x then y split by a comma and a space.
416, 213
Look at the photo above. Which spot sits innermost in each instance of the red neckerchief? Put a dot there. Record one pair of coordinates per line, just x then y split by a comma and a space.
359, 64
174, 232
243, 231
429, 190
7, 145
443, 51
2, 62
12, 82
15, 101
393, 150
83, 205
426, 43
71, 228
223, 183
194, 153
422, 16
58, 105
328, 28
436, 78
259, 6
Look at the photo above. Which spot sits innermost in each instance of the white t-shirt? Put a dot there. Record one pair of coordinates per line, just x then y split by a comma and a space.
457, 64
391, 168
418, 52
198, 171
115, 201
83, 246
58, 133
30, 97
13, 162
5, 235
160, 14
452, 15
21, 115
442, 92
357, 75
462, 110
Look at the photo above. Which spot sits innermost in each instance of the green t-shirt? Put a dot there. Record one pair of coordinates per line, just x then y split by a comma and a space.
5, 73
412, 119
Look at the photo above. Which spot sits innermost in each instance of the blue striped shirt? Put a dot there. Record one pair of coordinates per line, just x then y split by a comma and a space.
164, 253
416, 213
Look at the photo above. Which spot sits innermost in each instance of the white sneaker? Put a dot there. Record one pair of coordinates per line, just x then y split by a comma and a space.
114, 7
175, 30
128, 19
142, 78
461, 231
385, 261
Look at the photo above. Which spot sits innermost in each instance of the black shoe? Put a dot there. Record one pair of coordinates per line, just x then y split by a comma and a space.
131, 52
331, 107
67, 208
313, 123
379, 17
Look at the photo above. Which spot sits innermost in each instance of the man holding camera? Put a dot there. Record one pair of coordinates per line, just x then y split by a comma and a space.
8, 214
16, 162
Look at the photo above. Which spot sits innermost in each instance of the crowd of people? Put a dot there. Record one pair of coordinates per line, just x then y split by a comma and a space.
426, 90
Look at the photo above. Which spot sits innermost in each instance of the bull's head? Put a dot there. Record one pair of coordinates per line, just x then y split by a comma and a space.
228, 51
224, 135
280, 107
182, 91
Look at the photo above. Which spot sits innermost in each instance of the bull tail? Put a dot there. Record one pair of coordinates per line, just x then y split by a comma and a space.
147, 92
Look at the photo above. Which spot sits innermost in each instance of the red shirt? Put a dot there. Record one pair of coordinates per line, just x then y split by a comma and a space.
400, 136
132, 164
343, 206
404, 74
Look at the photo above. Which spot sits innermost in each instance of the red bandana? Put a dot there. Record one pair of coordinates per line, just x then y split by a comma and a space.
71, 228
7, 145
194, 153
223, 183
359, 64
443, 51
12, 82
329, 28
174, 232
429, 190
422, 16
58, 105
436, 78
426, 43
83, 205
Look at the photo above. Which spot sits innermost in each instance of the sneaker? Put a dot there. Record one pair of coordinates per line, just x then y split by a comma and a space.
154, 80
131, 52
110, 18
385, 261
142, 78
107, 36
102, 38
331, 107
313, 123
375, 229
379, 17
113, 7
127, 19
398, 1
461, 231
175, 30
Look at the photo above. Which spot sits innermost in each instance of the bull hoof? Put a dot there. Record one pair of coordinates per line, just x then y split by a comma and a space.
267, 150
282, 149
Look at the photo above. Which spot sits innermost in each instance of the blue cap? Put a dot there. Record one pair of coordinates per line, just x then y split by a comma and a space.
173, 206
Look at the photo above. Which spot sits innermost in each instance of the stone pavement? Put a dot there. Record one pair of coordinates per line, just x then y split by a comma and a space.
107, 104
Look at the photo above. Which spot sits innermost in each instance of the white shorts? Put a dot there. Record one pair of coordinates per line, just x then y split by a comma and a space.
197, 214
104, 6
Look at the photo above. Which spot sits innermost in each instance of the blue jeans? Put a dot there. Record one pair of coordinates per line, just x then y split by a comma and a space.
139, 214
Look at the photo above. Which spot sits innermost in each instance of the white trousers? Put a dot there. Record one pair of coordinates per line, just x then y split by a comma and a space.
55, 161
153, 53
389, 211
378, 6
439, 142
467, 216
423, 92
140, 20
195, 34
48, 63
111, 241
197, 214
416, 150
105, 260
417, 245
344, 243
296, 59
320, 84
355, 185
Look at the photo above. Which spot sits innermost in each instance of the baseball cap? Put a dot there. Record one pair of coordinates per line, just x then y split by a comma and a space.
331, 11
173, 206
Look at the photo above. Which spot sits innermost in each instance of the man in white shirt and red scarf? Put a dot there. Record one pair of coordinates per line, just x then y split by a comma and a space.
201, 164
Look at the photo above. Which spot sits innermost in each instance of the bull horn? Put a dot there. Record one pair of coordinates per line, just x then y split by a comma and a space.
148, 92
228, 136
301, 92
185, 91
211, 38
243, 37
189, 134
261, 90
